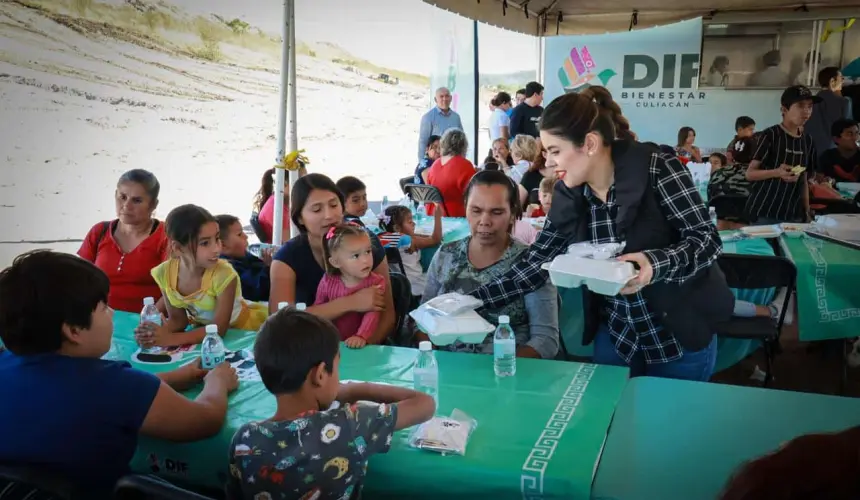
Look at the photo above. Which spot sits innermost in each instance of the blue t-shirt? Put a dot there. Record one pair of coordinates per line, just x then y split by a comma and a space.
297, 254
76, 417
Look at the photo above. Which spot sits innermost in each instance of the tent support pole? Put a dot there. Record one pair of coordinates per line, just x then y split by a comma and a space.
277, 231
292, 91
477, 84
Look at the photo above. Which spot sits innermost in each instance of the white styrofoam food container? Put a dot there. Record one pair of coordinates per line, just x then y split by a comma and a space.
467, 327
841, 226
605, 277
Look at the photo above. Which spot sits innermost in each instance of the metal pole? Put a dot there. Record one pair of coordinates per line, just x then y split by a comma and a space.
294, 137
817, 52
277, 231
812, 52
477, 83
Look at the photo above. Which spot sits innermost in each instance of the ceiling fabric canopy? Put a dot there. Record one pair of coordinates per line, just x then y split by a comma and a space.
600, 16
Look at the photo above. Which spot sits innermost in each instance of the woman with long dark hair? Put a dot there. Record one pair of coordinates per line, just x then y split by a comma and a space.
617, 191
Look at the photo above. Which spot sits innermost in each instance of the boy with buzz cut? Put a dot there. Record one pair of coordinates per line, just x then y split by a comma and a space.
253, 272
306, 449
783, 159
842, 163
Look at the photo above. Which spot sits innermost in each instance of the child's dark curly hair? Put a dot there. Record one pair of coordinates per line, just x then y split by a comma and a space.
394, 216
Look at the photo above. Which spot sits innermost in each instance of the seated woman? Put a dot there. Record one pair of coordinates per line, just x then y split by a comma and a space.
489, 253
431, 154
451, 173
298, 267
127, 248
70, 413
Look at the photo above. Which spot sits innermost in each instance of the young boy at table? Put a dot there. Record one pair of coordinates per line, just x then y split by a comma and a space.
778, 192
68, 412
355, 198
253, 271
742, 147
309, 448
842, 163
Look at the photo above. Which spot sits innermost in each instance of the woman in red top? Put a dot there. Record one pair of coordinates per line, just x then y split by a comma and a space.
451, 173
127, 248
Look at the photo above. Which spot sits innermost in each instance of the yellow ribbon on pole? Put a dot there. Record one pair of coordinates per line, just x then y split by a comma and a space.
829, 31
293, 161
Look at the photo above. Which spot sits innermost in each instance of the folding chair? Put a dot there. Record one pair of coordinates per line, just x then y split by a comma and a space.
406, 181
401, 291
258, 229
19, 481
425, 193
731, 208
139, 487
752, 272
394, 258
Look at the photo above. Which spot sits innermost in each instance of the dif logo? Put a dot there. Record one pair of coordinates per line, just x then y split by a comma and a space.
675, 71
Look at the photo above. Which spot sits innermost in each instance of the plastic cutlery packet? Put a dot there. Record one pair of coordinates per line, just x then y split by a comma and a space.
603, 276
444, 434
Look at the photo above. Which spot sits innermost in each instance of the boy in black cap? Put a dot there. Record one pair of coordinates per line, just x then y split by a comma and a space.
525, 116
781, 162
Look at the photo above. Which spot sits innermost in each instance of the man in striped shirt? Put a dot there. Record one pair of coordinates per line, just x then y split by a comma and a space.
779, 190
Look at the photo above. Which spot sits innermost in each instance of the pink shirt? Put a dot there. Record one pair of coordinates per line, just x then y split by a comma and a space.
353, 323
267, 218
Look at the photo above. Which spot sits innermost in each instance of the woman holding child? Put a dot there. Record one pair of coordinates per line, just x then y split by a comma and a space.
619, 191
299, 265
487, 254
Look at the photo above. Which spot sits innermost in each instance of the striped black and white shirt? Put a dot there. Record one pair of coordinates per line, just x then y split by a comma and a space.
775, 198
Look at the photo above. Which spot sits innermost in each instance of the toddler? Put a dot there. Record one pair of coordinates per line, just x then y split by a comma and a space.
253, 272
396, 221
348, 259
310, 447
544, 196
199, 288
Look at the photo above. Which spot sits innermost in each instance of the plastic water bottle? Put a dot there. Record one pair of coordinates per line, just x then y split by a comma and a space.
425, 373
212, 350
504, 349
301, 306
150, 314
384, 204
713, 213
422, 213
283, 305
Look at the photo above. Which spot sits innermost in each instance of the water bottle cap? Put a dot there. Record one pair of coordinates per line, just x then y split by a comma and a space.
425, 346
283, 305
504, 319
211, 328
301, 306
148, 301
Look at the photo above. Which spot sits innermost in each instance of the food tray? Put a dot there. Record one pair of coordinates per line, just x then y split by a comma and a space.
468, 327
604, 277
769, 231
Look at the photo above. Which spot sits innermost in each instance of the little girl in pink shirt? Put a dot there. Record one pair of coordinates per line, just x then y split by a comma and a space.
349, 268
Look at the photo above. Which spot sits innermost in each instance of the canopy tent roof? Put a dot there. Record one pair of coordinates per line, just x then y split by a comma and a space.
541, 17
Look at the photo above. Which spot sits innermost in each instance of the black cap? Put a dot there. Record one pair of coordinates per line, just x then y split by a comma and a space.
796, 94
533, 88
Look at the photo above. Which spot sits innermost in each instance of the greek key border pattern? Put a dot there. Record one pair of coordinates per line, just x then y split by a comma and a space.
825, 315
537, 461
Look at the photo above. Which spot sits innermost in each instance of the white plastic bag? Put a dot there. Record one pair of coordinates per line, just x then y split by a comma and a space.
444, 435
601, 251
452, 304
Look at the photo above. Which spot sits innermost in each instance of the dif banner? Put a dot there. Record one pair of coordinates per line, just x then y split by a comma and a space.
653, 74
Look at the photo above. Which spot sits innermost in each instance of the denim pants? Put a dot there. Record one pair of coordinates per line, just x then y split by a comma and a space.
693, 365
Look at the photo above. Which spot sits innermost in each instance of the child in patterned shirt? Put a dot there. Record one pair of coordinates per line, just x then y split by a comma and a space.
312, 447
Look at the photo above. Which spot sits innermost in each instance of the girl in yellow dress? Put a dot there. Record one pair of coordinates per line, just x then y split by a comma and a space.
199, 288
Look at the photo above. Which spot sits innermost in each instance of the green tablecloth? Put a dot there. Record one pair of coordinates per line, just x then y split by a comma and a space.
539, 433
828, 288
680, 440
